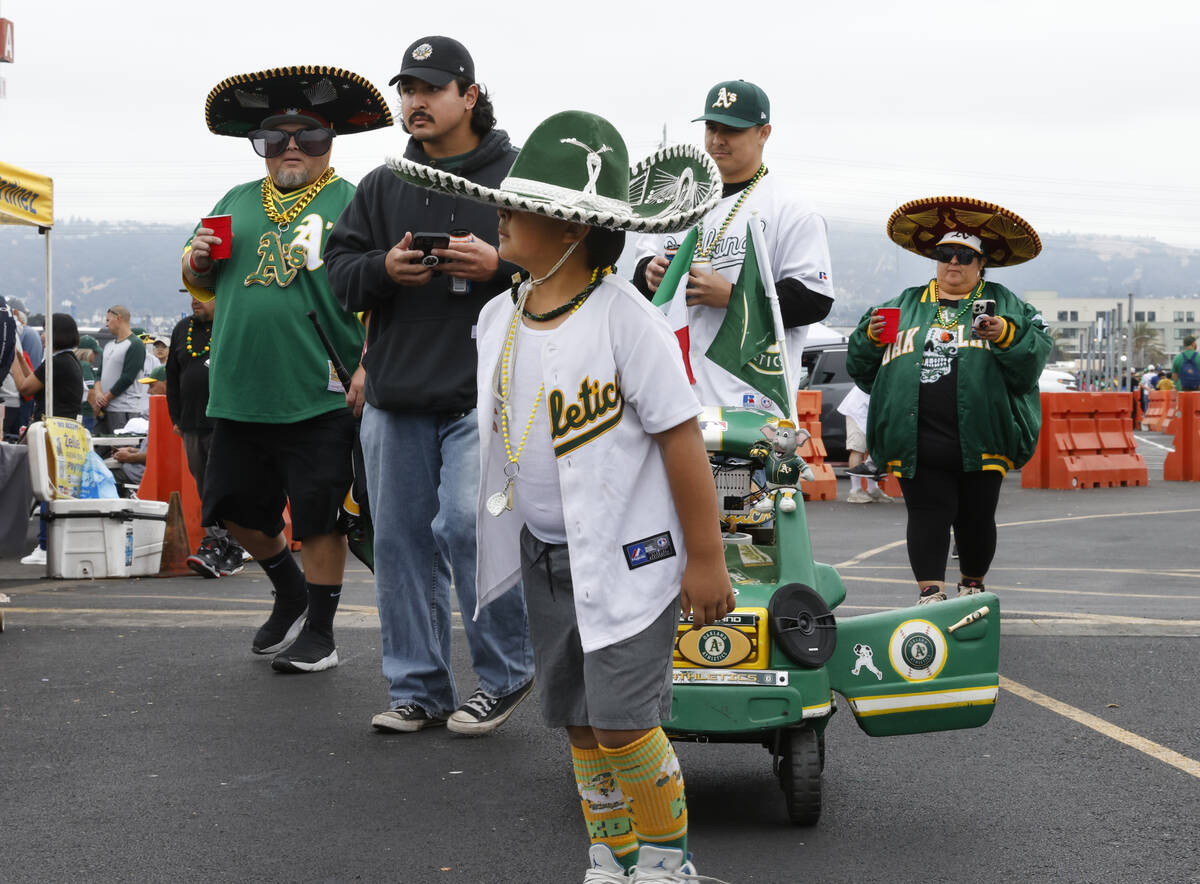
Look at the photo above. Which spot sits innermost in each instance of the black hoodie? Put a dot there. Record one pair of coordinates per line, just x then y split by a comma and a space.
421, 340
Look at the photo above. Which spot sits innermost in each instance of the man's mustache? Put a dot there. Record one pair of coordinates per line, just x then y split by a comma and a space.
418, 115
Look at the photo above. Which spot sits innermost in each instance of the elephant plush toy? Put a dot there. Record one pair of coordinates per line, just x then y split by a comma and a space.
783, 466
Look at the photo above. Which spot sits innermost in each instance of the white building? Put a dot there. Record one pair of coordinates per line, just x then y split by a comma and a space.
1172, 318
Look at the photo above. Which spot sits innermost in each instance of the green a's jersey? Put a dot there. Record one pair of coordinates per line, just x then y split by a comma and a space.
267, 364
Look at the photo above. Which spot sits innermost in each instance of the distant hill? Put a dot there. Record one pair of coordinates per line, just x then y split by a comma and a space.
98, 264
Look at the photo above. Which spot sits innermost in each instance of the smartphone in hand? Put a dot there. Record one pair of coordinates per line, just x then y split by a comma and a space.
426, 243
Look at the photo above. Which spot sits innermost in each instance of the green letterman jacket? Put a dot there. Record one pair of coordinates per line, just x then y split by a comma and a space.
999, 406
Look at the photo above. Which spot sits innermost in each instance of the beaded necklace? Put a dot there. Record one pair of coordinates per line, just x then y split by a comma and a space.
191, 352
940, 320
284, 219
503, 500
706, 253
598, 274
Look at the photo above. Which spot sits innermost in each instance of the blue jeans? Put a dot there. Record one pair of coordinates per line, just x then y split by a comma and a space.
422, 487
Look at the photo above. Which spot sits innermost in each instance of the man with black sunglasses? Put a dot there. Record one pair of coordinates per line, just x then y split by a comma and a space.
419, 432
282, 433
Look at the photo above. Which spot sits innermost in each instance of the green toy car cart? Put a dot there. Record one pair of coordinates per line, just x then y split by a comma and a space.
767, 673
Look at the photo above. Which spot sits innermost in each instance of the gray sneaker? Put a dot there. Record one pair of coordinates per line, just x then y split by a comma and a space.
405, 719
930, 599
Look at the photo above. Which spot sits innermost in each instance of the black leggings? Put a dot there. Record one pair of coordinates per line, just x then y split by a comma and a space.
938, 499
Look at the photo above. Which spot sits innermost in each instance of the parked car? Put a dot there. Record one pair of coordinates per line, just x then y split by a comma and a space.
1054, 381
824, 369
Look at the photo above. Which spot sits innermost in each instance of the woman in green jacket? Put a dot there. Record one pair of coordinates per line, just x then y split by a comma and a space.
954, 399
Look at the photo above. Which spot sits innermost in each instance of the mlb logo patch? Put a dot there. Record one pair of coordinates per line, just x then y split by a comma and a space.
748, 400
649, 550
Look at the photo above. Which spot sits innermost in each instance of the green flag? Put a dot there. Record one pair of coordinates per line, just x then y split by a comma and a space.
745, 344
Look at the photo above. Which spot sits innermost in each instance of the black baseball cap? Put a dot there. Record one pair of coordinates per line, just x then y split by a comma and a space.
436, 60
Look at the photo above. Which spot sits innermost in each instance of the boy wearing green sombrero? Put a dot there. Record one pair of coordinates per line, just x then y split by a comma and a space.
596, 491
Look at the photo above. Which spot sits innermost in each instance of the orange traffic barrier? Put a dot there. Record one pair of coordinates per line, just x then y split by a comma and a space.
808, 417
1160, 411
167, 469
1086, 441
1183, 464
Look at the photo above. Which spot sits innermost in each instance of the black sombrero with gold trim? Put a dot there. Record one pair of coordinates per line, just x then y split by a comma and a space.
1007, 238
344, 101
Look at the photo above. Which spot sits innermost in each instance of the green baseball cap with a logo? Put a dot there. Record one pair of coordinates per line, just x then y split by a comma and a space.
737, 103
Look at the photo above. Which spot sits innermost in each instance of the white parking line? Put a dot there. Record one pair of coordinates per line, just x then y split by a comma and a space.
1160, 753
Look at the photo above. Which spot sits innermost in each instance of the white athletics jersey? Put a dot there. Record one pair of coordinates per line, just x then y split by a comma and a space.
797, 241
613, 377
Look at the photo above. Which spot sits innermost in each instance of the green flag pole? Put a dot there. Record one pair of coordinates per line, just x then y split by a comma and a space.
768, 281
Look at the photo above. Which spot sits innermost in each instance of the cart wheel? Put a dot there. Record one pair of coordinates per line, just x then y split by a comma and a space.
800, 775
821, 748
1, 621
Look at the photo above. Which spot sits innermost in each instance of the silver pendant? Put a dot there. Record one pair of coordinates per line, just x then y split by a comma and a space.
496, 503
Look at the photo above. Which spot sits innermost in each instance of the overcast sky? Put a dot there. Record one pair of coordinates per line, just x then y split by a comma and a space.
1080, 116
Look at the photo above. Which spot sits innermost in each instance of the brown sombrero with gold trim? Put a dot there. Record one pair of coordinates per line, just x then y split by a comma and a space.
344, 101
1007, 238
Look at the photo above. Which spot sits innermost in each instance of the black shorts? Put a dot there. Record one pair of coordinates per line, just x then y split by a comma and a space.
254, 469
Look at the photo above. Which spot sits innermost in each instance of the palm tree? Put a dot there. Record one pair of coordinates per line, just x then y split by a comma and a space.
1147, 345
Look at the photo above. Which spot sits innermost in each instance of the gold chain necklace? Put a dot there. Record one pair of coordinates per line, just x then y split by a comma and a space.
940, 321
706, 253
285, 219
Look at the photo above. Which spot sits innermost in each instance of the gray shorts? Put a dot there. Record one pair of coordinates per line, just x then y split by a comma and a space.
625, 686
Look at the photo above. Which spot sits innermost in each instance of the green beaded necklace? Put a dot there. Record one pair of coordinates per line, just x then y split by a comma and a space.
940, 320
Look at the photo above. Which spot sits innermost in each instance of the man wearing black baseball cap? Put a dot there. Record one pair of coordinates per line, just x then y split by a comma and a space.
419, 433
737, 124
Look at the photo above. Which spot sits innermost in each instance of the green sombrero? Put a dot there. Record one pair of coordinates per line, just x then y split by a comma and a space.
575, 167
340, 99
1006, 237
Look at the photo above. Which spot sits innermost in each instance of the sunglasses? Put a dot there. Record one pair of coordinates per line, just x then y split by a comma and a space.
945, 254
272, 142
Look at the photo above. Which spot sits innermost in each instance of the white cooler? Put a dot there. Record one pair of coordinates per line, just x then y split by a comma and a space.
105, 537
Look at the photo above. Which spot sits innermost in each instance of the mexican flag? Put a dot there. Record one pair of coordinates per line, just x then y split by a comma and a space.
747, 345
671, 296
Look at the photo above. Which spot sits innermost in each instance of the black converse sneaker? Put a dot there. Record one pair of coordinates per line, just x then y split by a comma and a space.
482, 713
312, 651
281, 627
406, 718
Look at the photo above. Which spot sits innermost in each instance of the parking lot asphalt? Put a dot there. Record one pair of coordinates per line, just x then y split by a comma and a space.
141, 741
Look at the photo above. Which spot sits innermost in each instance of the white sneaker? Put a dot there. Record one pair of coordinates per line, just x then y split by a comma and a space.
37, 557
930, 599
859, 496
605, 868
880, 496
667, 866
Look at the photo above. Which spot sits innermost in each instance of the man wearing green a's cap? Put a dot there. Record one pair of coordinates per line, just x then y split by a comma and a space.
737, 124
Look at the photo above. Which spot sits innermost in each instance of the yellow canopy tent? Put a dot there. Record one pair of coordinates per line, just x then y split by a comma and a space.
27, 198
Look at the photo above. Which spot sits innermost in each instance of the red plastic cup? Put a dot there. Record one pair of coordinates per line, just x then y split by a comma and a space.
891, 327
222, 226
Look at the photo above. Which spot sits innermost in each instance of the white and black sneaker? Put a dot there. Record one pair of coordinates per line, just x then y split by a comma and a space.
482, 713
312, 651
206, 560
406, 718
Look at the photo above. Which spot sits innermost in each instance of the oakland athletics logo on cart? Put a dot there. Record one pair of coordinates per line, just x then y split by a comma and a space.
917, 650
